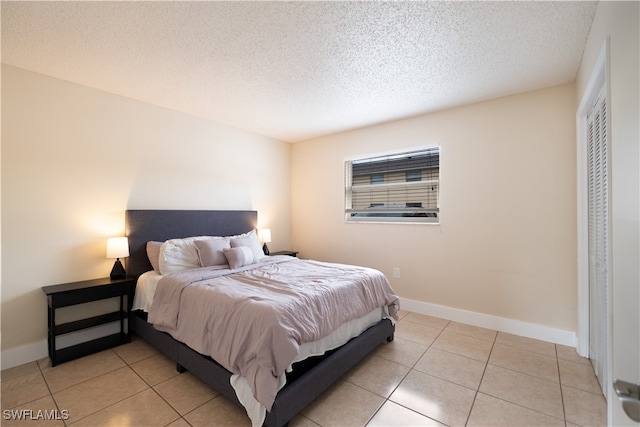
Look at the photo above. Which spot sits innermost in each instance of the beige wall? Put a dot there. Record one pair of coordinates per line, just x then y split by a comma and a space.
74, 159
506, 243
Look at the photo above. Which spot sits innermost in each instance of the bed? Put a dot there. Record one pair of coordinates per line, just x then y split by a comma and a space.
306, 377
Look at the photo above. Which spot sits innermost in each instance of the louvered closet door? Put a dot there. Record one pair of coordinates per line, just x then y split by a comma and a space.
598, 240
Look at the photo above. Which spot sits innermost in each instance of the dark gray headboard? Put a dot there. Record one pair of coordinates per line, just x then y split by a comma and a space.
160, 225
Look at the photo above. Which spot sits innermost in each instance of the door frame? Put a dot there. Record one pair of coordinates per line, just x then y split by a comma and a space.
599, 78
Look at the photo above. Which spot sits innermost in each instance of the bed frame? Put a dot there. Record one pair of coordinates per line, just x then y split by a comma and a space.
309, 378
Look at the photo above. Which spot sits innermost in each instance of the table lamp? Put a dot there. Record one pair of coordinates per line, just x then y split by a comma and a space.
265, 237
117, 247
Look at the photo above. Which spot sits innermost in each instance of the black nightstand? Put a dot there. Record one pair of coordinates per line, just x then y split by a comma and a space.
67, 294
290, 253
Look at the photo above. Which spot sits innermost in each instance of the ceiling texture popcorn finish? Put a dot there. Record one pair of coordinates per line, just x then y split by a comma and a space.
296, 70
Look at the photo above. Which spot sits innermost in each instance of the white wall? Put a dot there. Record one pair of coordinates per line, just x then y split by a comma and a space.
74, 159
617, 23
506, 243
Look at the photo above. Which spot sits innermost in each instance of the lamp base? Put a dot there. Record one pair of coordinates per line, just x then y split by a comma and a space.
265, 249
117, 272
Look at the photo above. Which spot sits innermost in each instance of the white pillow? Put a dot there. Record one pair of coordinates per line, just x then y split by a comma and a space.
210, 251
179, 254
239, 256
251, 241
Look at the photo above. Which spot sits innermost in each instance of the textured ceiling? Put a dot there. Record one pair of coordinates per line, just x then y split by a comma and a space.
295, 70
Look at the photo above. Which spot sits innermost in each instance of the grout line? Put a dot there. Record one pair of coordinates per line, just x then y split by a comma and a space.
522, 406
411, 368
525, 373
88, 379
152, 387
564, 411
217, 396
55, 402
95, 411
532, 376
170, 406
41, 369
475, 396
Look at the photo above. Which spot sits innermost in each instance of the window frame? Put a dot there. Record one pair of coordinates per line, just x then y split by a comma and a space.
407, 210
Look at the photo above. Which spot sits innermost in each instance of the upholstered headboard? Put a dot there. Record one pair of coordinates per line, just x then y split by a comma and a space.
160, 225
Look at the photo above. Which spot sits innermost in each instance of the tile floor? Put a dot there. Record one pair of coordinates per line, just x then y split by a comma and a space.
434, 373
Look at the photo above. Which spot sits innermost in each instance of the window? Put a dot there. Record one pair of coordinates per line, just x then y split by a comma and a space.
377, 179
414, 175
402, 187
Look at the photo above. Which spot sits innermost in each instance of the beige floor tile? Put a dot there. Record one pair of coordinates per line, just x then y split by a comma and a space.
522, 389
302, 421
185, 392
343, 404
489, 411
135, 351
452, 367
416, 332
401, 351
76, 371
403, 313
463, 345
528, 344
377, 375
180, 422
143, 409
425, 320
580, 376
393, 415
155, 369
100, 389
218, 412
472, 331
23, 389
570, 354
584, 408
42, 412
440, 400
18, 371
97, 393
526, 362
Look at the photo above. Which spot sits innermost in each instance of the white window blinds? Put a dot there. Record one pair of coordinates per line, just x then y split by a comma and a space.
402, 187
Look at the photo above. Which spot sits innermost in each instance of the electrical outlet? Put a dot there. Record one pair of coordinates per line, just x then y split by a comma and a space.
396, 272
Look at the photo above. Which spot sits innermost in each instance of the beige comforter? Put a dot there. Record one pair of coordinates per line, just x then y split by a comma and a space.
252, 320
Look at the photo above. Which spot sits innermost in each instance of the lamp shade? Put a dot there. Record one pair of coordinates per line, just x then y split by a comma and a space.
117, 247
265, 235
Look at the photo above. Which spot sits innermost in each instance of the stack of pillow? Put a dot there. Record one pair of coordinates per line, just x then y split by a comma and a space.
204, 251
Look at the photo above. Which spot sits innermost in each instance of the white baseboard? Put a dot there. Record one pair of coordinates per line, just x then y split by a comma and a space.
24, 354
30, 352
501, 324
38, 350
